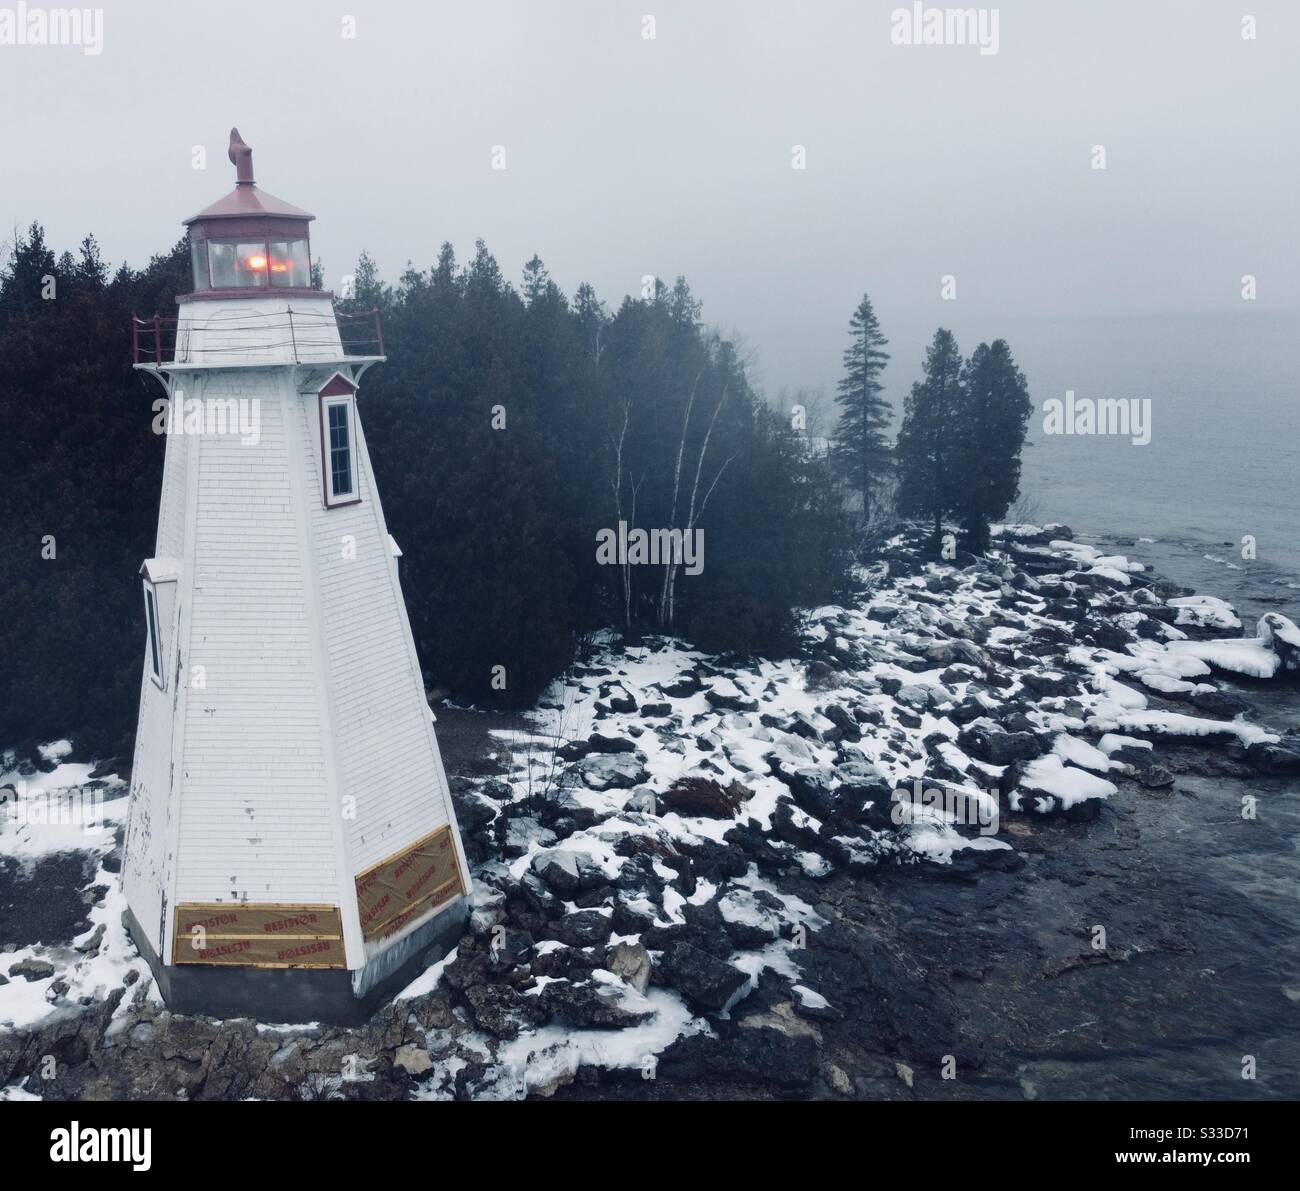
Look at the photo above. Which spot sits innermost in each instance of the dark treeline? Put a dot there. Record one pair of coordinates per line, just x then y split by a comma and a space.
510, 427
79, 501
520, 438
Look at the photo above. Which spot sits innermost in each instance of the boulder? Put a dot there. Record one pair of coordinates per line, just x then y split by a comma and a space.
583, 928
1048, 686
567, 871
704, 979
32, 969
813, 790
704, 797
1273, 758
522, 833
1218, 703
1000, 748
597, 743
951, 653
592, 1004
612, 771
726, 696
749, 1054
497, 1008
752, 918
840, 717
414, 1060
630, 962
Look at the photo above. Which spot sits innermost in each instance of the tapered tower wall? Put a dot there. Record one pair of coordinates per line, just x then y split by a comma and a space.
291, 850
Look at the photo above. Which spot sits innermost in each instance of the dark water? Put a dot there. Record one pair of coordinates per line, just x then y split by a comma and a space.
1224, 457
1223, 462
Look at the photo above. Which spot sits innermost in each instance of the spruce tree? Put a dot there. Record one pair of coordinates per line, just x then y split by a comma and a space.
929, 442
536, 280
995, 418
860, 452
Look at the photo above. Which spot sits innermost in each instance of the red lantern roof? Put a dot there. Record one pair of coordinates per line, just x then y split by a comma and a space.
246, 201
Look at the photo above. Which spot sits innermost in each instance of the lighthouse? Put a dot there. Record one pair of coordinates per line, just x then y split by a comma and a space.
291, 850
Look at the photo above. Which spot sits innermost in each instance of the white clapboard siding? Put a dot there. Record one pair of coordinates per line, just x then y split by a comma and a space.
255, 804
145, 865
171, 509
310, 694
386, 757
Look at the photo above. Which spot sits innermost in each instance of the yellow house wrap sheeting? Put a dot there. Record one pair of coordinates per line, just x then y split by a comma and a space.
406, 886
262, 935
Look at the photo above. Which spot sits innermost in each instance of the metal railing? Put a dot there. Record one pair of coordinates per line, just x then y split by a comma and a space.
290, 335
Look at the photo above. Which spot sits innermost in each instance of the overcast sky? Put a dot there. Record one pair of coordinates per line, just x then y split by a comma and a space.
627, 156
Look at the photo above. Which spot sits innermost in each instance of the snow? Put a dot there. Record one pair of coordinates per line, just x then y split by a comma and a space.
427, 980
938, 842
1111, 742
1172, 723
25, 1003
1205, 612
60, 811
1081, 753
1275, 629
1250, 656
809, 998
17, 1092
56, 750
740, 907
1068, 785
540, 1059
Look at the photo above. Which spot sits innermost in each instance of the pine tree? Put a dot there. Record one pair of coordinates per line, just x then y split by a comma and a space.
995, 418
860, 452
929, 442
536, 280
592, 318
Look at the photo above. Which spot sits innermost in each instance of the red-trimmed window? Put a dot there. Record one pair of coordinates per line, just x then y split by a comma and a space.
338, 443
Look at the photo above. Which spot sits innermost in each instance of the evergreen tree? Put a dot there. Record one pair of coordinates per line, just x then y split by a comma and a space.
81, 513
860, 451
995, 418
536, 280
929, 442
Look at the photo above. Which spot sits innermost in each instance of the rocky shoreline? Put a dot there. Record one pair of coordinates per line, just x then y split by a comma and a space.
982, 839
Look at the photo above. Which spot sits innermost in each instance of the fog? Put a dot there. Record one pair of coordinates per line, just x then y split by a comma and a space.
629, 155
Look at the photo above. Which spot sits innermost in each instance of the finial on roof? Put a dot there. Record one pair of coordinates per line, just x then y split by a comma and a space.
241, 157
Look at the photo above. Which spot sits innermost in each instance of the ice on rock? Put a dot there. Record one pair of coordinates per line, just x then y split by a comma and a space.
1112, 742
1070, 786
1205, 612
1172, 723
1081, 753
1250, 656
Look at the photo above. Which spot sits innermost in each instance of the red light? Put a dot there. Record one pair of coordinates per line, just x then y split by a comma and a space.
257, 263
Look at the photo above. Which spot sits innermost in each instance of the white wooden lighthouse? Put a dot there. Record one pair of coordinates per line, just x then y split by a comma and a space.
291, 851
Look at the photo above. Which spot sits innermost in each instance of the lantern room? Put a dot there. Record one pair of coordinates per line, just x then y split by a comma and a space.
249, 242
